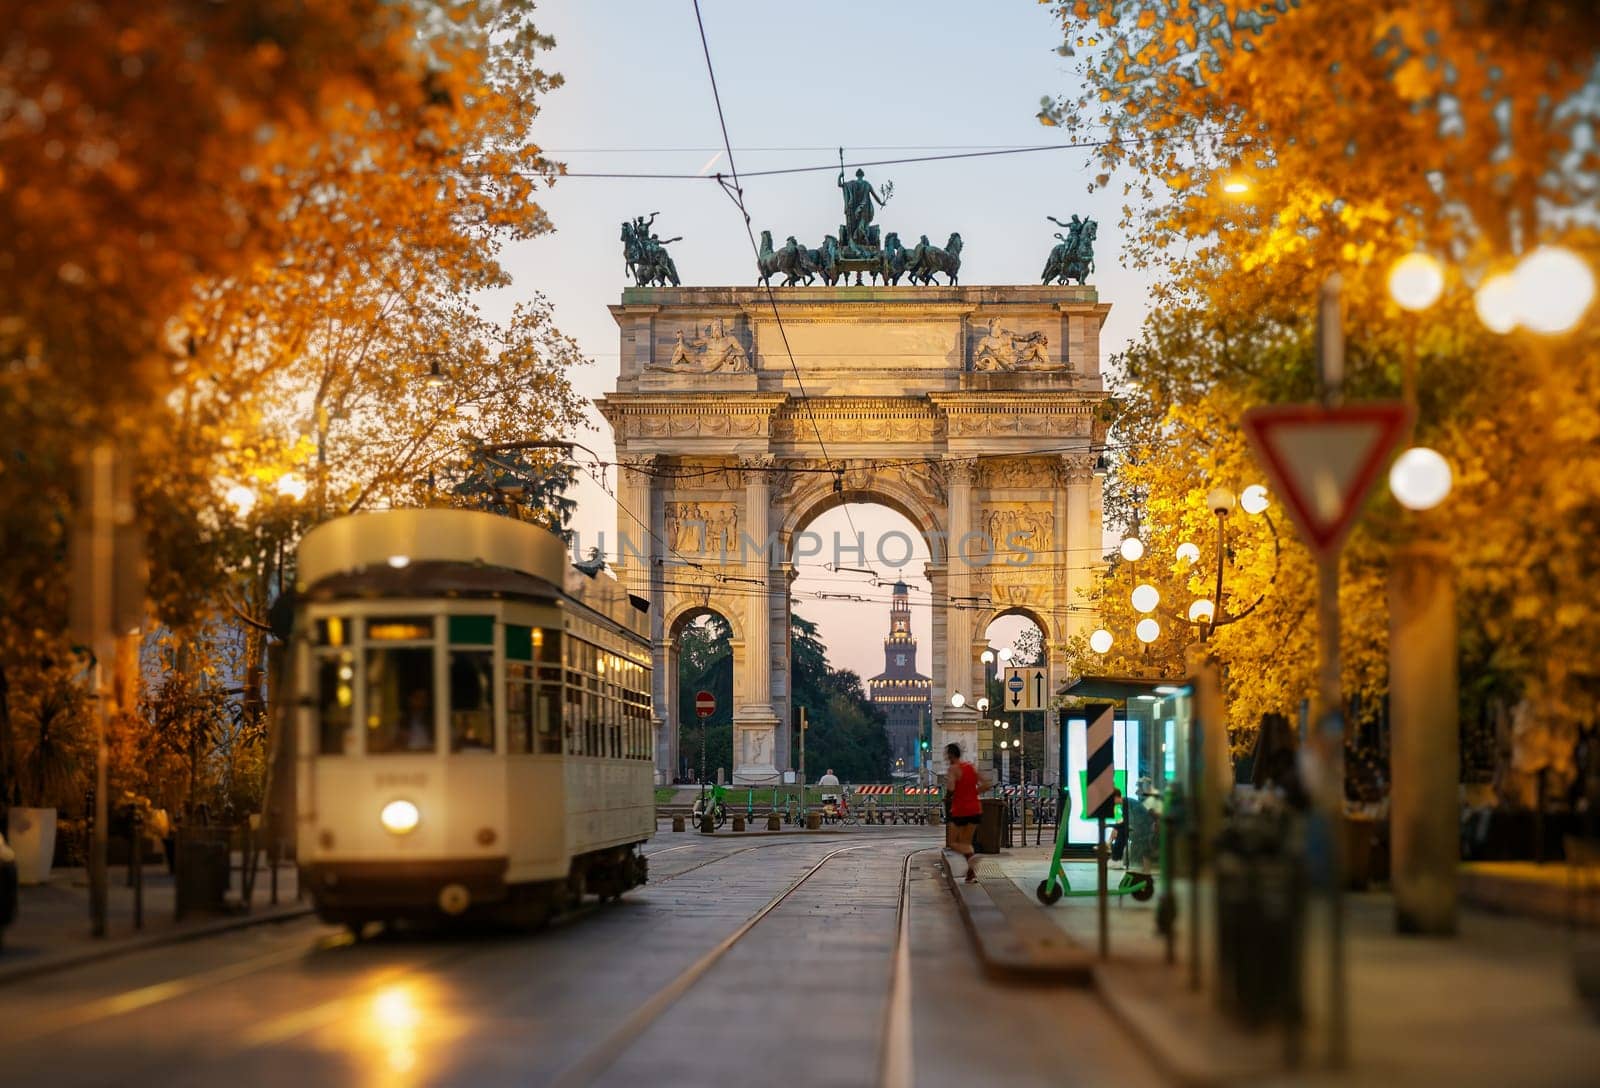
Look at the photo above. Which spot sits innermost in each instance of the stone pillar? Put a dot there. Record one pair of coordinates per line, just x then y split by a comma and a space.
1080, 540
959, 726
636, 564
755, 723
1425, 743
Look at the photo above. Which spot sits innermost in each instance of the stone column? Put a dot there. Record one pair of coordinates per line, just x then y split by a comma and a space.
755, 733
1425, 743
1077, 471
959, 726
636, 564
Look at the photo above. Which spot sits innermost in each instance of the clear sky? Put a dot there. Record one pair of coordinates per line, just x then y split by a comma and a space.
797, 81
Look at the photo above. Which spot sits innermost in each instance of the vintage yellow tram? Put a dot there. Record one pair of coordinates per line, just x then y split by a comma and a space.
473, 721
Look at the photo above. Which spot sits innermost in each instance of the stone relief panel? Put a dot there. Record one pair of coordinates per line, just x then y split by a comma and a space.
702, 528
755, 747
999, 424
703, 349
1016, 472
999, 348
706, 476
692, 425
1030, 525
869, 423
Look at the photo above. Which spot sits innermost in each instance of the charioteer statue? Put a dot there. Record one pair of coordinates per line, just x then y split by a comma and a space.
646, 254
1073, 258
859, 195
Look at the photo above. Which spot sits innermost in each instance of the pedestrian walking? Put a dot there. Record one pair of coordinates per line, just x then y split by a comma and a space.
963, 784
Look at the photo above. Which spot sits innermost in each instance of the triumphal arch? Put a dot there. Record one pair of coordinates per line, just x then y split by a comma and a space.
741, 414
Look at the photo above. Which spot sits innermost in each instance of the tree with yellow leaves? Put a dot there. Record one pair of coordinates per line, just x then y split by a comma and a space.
240, 240
1273, 145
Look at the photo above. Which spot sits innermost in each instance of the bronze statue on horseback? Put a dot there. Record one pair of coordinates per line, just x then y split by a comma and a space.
1073, 258
646, 255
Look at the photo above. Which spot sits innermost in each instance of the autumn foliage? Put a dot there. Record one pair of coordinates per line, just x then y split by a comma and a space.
1262, 147
237, 240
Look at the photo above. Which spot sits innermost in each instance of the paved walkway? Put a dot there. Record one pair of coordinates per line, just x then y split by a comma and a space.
52, 928
1495, 1005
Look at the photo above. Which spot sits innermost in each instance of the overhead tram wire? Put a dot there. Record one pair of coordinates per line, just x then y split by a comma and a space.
1078, 145
736, 194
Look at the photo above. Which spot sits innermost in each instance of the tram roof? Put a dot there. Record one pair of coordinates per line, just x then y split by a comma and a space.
399, 538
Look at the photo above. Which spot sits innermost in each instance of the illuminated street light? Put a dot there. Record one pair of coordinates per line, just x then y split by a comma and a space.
1132, 549
1553, 286
1416, 281
1100, 641
291, 486
983, 705
1420, 478
1496, 302
242, 499
1005, 654
1189, 552
1146, 597
1202, 611
987, 657
1236, 186
1148, 630
435, 378
1254, 499
958, 700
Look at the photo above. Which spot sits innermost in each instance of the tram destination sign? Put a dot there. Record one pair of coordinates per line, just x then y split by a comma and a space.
705, 704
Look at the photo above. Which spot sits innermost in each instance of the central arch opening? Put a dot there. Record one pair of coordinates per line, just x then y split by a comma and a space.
861, 642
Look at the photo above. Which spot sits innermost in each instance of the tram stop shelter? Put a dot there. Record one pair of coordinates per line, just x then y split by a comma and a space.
1154, 737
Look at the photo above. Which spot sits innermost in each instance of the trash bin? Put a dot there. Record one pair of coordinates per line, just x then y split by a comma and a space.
204, 871
993, 829
1260, 889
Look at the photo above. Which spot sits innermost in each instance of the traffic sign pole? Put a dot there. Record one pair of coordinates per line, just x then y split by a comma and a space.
1323, 460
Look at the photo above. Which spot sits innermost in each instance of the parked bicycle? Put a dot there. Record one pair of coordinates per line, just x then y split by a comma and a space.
719, 807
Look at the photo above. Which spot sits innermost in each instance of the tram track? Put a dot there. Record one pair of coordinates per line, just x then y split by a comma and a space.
132, 1000
894, 1061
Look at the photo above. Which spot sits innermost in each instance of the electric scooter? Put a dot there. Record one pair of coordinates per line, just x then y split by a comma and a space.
1055, 884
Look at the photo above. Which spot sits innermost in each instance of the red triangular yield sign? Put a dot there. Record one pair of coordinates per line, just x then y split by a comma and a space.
1323, 461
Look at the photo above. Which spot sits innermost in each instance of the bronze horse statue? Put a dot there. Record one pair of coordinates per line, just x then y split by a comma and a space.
791, 261
927, 260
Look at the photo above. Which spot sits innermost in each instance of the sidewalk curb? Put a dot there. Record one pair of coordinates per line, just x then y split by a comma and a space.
1010, 952
688, 833
51, 964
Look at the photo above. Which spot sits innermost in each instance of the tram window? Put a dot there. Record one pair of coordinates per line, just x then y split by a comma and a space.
519, 711
335, 702
333, 631
546, 720
547, 644
574, 720
400, 700
472, 700
471, 630
400, 629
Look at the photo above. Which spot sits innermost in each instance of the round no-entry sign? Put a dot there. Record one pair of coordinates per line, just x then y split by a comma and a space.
705, 704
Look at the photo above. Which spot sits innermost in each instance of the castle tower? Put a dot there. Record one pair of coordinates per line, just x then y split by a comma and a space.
904, 693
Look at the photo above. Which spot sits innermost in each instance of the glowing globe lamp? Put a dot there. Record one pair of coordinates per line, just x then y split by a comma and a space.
1420, 478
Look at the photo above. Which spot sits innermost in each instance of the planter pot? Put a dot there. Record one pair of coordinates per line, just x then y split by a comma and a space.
33, 837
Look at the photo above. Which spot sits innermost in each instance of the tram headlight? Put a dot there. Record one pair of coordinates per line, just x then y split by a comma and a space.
399, 817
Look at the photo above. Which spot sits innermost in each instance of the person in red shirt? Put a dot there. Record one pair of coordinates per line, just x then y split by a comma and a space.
963, 782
